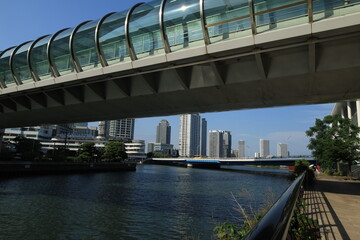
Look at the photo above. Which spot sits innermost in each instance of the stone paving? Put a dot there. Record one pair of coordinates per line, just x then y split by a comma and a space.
335, 203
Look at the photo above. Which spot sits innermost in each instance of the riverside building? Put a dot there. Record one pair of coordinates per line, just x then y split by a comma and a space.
264, 148
190, 138
241, 149
163, 132
122, 129
219, 143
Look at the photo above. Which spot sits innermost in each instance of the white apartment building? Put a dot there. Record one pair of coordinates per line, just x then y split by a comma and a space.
282, 150
264, 148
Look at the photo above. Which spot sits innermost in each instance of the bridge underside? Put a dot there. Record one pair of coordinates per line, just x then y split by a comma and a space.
260, 71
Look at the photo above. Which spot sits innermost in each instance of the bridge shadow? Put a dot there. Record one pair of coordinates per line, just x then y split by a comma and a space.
333, 186
326, 202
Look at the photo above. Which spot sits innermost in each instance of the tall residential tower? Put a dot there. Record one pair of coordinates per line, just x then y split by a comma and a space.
264, 148
219, 143
282, 150
190, 135
241, 149
163, 132
203, 137
121, 129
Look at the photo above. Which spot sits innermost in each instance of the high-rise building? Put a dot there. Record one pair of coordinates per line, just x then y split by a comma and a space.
264, 148
282, 150
121, 129
216, 143
189, 135
241, 149
219, 143
203, 137
104, 128
163, 132
227, 144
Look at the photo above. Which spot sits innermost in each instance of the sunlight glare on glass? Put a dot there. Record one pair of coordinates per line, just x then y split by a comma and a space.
183, 8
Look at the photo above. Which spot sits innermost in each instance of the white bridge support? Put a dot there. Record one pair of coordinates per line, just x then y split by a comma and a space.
310, 63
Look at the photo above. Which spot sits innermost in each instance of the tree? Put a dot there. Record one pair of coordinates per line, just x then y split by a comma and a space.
114, 152
28, 148
334, 139
87, 152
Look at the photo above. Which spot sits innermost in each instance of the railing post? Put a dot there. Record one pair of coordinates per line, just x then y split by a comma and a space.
310, 11
52, 65
164, 38
73, 58
34, 74
97, 40
203, 23
129, 45
252, 16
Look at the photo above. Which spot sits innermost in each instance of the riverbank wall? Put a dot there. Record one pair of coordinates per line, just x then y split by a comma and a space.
33, 168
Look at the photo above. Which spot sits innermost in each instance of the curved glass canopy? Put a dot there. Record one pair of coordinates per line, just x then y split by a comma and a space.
84, 46
182, 24
60, 53
156, 27
38, 59
6, 78
144, 30
19, 64
112, 39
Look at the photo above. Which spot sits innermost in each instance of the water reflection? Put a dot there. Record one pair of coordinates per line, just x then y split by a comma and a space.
155, 202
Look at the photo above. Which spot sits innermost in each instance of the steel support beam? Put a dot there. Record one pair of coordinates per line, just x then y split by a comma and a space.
34, 75
164, 38
127, 32
53, 67
73, 58
203, 23
17, 80
97, 40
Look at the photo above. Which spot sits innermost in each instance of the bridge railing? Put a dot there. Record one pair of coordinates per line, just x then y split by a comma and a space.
276, 222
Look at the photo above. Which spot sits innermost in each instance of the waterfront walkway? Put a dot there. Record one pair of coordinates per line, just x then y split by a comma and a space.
335, 203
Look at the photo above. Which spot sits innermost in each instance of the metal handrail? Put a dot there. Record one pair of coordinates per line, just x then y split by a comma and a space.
275, 223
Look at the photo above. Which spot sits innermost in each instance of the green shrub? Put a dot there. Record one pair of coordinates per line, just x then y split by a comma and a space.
302, 227
328, 172
338, 173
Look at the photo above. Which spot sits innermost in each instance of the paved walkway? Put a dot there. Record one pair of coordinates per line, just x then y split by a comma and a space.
335, 203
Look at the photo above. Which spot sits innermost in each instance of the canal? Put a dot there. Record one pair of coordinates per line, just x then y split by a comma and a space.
155, 202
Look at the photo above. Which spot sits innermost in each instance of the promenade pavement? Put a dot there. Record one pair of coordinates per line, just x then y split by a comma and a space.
335, 203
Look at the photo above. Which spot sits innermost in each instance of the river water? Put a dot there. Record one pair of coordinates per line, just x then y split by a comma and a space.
155, 202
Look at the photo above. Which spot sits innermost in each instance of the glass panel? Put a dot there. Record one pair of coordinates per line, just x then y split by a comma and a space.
182, 24
5, 72
290, 10
38, 59
84, 46
60, 53
144, 30
222, 18
20, 65
330, 8
112, 38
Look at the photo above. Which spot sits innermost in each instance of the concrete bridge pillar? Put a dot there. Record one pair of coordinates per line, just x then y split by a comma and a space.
358, 112
348, 106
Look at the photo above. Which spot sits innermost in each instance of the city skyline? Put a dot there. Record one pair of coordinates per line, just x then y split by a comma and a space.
281, 124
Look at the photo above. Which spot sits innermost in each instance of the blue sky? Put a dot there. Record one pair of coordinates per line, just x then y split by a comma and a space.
24, 20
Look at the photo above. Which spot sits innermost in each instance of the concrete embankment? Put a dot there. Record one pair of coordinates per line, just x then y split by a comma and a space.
28, 168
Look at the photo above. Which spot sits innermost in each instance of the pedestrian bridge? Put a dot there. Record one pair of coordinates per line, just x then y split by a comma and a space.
169, 57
